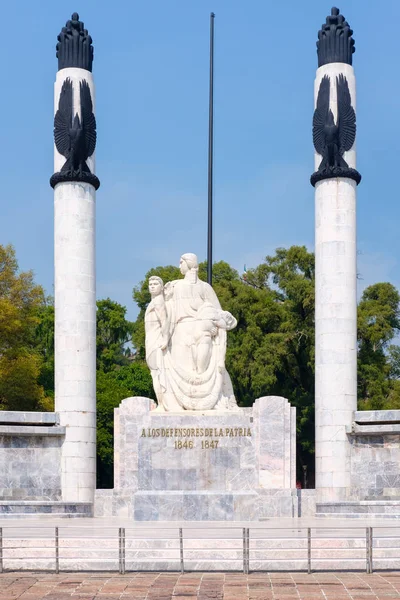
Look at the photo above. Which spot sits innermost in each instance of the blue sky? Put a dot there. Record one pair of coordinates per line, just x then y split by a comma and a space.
151, 73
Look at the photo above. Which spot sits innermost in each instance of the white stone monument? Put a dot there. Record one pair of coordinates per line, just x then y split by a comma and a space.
335, 181
197, 455
75, 186
186, 343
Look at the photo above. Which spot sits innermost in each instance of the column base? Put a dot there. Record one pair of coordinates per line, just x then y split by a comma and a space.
333, 173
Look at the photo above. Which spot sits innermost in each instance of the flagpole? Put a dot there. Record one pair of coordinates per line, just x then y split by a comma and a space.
210, 154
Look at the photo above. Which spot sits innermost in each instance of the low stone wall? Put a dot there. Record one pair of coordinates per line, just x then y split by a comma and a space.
375, 455
30, 456
306, 502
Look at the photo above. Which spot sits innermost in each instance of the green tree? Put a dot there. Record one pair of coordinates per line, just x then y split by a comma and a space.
19, 387
44, 342
394, 361
284, 346
113, 333
112, 387
378, 366
20, 363
20, 299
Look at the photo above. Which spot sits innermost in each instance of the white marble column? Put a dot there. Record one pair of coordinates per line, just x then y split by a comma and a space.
75, 317
335, 313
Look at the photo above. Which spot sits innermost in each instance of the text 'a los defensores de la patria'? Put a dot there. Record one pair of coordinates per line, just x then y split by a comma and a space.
195, 432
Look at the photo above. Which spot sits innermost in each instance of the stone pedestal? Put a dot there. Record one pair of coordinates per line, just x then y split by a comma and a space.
202, 465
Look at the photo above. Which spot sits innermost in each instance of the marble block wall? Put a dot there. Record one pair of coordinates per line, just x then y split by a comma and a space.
275, 440
204, 465
375, 455
30, 456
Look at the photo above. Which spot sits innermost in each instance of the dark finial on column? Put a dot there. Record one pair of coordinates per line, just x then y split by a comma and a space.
74, 47
335, 42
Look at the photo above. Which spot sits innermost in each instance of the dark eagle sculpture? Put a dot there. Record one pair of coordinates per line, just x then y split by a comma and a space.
332, 139
74, 136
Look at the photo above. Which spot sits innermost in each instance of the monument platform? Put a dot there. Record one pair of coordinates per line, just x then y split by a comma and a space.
202, 465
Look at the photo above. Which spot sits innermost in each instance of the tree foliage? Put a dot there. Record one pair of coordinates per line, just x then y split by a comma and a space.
113, 333
20, 363
378, 361
112, 387
44, 339
285, 358
20, 299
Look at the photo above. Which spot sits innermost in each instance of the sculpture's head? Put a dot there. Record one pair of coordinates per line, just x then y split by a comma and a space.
188, 262
156, 286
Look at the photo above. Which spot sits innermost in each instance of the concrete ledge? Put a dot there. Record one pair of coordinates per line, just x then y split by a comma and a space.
330, 515
375, 429
28, 418
38, 508
377, 416
18, 430
361, 508
375, 422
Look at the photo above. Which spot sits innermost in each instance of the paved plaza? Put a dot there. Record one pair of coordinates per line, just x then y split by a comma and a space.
204, 586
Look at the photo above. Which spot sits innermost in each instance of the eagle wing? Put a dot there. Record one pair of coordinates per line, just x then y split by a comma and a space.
87, 117
321, 114
346, 115
63, 119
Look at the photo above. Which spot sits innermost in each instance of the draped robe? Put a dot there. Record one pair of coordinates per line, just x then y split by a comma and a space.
185, 387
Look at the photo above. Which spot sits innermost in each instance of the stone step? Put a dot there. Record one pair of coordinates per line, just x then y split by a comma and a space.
44, 515
356, 509
15, 509
383, 498
329, 515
